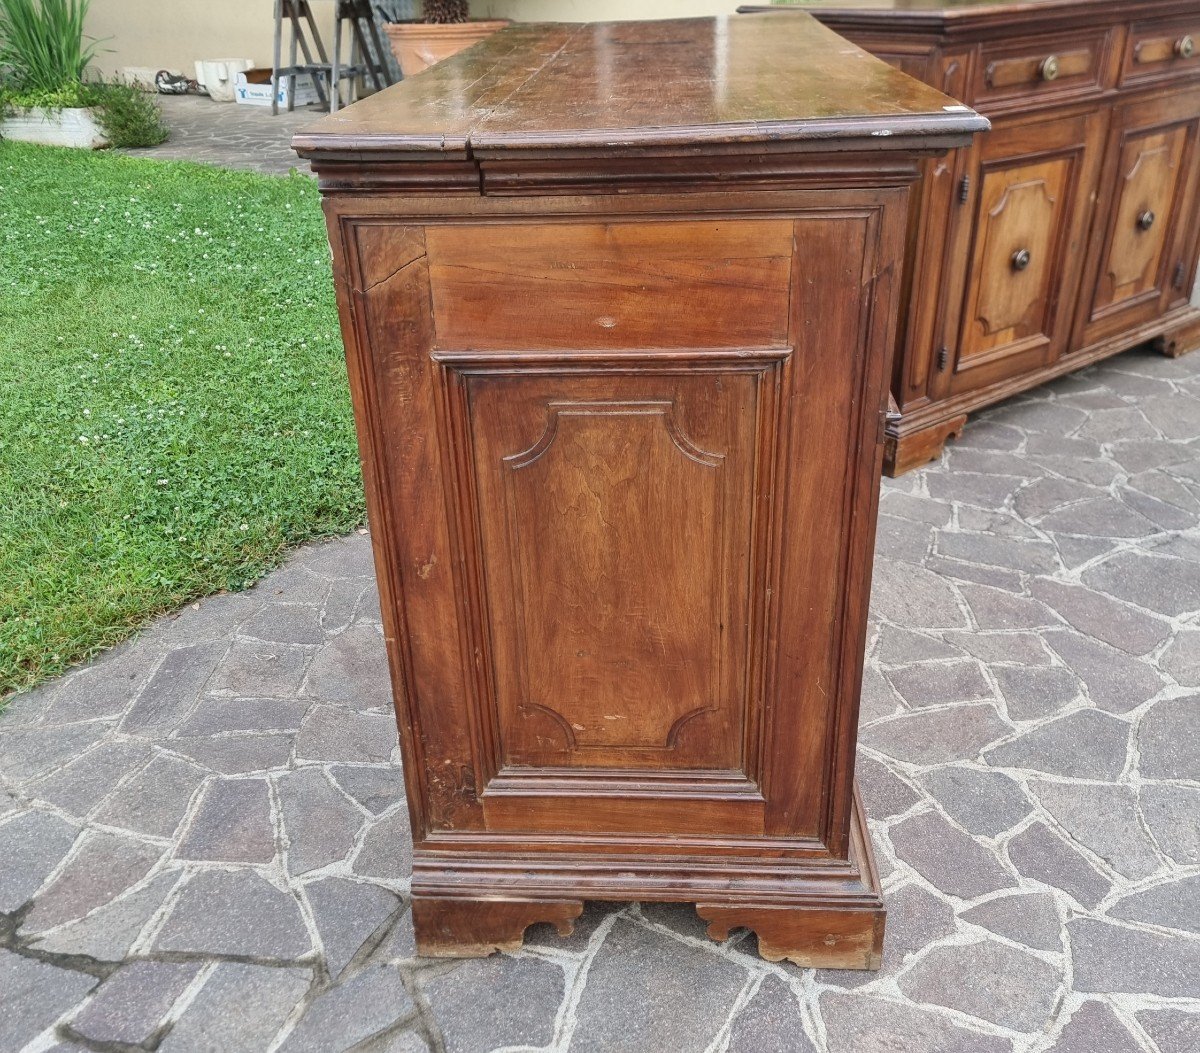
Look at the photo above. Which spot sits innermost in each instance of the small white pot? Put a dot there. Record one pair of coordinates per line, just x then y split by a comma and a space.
73, 127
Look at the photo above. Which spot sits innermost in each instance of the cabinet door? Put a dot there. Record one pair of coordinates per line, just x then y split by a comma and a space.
1024, 222
1138, 264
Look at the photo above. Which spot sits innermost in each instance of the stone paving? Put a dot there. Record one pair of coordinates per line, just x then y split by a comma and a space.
230, 134
205, 841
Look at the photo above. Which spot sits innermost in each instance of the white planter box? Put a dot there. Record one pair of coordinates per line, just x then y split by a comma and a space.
75, 127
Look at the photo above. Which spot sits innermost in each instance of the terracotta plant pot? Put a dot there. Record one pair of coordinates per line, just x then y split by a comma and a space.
418, 45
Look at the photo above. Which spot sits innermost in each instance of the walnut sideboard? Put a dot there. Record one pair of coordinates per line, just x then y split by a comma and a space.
1072, 230
618, 304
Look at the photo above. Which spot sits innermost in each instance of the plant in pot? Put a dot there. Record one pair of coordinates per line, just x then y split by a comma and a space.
444, 29
43, 95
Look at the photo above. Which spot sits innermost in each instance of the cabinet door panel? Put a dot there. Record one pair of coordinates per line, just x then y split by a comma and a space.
1138, 259
1021, 239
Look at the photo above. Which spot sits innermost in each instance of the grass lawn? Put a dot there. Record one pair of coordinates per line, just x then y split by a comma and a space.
174, 411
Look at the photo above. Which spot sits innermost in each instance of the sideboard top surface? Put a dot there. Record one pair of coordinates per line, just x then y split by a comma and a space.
609, 87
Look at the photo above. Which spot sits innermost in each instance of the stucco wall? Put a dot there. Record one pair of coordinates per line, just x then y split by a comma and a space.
174, 33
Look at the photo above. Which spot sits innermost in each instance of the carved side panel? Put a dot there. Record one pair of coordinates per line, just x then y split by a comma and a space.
1148, 185
617, 556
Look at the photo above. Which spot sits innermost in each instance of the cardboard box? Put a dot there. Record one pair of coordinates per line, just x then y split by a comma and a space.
253, 88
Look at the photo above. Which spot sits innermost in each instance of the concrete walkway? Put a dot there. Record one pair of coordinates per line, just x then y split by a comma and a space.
205, 841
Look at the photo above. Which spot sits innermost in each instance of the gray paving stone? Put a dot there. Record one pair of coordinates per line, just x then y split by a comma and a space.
348, 557
938, 736
214, 716
1006, 986
1104, 819
985, 491
901, 539
1029, 557
884, 792
174, 688
1115, 682
294, 583
1030, 918
240, 755
1104, 517
31, 845
861, 1024
347, 913
1167, 740
402, 1041
996, 609
342, 604
255, 669
351, 1012
991, 435
1036, 693
100, 690
1039, 853
915, 597
129, 1006
947, 858
155, 800
386, 851
1181, 659
376, 789
234, 913
1076, 551
1086, 744
772, 1023
27, 753
983, 803
400, 943
913, 507
34, 995
1173, 1030
321, 825
77, 787
1170, 813
331, 733
352, 669
663, 971
239, 1007
1117, 425
1168, 586
1094, 1028
109, 932
899, 646
1101, 617
495, 1003
231, 823
1046, 494
938, 683
878, 699
1176, 416
998, 647
212, 618
286, 623
1173, 905
102, 867
1115, 959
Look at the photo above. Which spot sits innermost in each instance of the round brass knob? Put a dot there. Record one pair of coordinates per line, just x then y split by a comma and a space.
1145, 220
1020, 259
1185, 47
1049, 68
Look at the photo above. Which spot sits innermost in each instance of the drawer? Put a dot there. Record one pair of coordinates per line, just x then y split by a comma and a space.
1162, 49
1046, 66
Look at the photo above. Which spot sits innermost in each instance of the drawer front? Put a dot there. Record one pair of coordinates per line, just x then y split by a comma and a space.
611, 285
1162, 50
1048, 66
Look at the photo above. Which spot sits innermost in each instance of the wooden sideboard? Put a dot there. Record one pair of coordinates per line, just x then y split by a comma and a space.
618, 304
1072, 230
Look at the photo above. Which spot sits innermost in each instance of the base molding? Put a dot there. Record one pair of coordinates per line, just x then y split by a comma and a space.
917, 436
819, 912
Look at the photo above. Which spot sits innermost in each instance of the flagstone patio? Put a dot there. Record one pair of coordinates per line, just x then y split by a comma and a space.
205, 841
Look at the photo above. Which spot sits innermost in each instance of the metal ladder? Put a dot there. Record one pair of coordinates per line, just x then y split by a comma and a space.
367, 55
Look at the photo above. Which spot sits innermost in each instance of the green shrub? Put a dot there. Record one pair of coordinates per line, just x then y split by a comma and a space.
128, 115
41, 41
